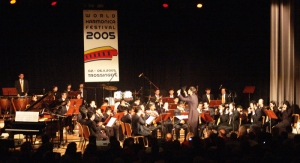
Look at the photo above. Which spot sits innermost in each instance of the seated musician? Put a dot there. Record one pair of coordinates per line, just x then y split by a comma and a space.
55, 93
108, 112
200, 107
138, 123
136, 102
256, 117
152, 112
92, 107
127, 115
68, 88
171, 93
63, 97
205, 124
206, 108
99, 119
234, 118
180, 124
284, 116
67, 121
223, 122
122, 107
33, 99
274, 108
94, 130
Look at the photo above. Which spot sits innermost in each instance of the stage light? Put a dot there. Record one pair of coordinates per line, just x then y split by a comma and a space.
53, 3
13, 2
199, 5
165, 5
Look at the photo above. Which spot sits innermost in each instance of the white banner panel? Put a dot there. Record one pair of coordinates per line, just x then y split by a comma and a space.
101, 57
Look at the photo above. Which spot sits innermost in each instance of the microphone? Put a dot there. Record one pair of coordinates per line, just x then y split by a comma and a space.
141, 75
220, 86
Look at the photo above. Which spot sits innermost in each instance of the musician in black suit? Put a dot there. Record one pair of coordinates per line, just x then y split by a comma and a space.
94, 130
192, 101
285, 116
55, 93
138, 123
224, 119
257, 118
224, 97
127, 115
83, 94
235, 116
274, 108
178, 123
22, 86
207, 96
171, 93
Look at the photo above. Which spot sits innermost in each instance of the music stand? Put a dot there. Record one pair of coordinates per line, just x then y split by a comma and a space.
72, 94
172, 106
249, 90
168, 99
9, 91
271, 115
214, 103
75, 105
162, 117
119, 115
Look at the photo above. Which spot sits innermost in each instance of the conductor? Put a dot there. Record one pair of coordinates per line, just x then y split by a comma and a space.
192, 100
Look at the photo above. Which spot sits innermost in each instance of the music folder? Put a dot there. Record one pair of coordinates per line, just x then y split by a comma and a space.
27, 116
111, 121
150, 119
213, 103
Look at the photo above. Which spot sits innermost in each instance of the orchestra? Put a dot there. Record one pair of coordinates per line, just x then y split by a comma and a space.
203, 115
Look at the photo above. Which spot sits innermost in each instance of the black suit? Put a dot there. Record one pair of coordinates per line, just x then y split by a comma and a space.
94, 130
227, 98
205, 99
257, 119
235, 120
126, 118
137, 126
179, 125
25, 87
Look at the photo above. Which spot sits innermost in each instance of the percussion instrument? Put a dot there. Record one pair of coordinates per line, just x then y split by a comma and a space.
110, 88
21, 102
110, 100
127, 95
4, 103
118, 95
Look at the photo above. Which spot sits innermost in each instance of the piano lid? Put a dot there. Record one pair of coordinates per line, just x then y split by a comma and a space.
46, 98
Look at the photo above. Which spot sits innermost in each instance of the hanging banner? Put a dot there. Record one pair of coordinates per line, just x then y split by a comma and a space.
101, 57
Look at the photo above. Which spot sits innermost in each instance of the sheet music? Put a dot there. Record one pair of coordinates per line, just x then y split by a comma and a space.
150, 119
111, 121
181, 117
27, 116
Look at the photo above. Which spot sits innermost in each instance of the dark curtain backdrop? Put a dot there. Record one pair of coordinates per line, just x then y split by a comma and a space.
224, 43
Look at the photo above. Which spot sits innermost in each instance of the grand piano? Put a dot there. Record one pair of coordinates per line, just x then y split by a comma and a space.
48, 122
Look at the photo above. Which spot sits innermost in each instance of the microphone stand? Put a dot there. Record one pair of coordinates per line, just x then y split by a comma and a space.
150, 83
110, 94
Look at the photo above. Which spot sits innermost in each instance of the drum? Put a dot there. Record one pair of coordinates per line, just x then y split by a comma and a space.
21, 102
110, 100
118, 95
4, 103
127, 96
